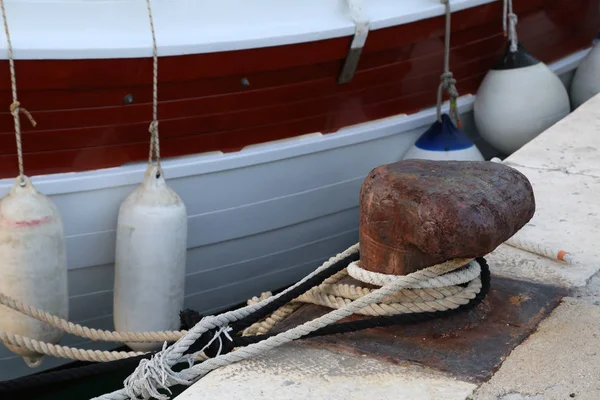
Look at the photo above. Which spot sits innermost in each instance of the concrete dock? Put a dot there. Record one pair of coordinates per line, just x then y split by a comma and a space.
545, 344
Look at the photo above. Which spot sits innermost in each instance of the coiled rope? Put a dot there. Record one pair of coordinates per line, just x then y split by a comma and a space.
15, 107
419, 300
447, 295
509, 22
157, 373
448, 83
256, 313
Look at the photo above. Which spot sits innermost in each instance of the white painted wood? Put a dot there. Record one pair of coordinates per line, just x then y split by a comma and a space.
75, 29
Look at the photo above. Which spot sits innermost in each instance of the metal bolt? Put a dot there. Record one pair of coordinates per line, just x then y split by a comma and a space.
128, 99
245, 82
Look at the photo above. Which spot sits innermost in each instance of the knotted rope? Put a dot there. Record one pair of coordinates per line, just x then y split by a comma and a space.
509, 21
440, 288
15, 107
329, 294
448, 83
446, 293
157, 372
153, 128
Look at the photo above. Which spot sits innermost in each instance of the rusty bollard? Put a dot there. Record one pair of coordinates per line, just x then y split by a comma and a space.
417, 213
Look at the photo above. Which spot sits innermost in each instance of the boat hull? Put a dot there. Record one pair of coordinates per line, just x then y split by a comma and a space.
261, 213
259, 219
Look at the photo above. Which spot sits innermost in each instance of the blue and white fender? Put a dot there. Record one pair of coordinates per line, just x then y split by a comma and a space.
444, 141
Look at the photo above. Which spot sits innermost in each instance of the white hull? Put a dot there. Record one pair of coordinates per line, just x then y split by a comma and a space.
259, 219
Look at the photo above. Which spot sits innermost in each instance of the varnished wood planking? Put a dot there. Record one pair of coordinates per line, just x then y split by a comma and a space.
298, 102
176, 95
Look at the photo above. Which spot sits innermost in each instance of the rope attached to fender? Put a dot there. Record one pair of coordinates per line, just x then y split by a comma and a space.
448, 83
510, 25
15, 107
153, 128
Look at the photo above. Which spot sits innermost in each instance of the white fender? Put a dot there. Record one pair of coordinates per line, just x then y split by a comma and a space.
517, 100
150, 259
586, 82
33, 265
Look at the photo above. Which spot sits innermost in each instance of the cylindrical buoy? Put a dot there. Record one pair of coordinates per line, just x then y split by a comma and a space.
519, 98
586, 81
444, 141
150, 259
33, 265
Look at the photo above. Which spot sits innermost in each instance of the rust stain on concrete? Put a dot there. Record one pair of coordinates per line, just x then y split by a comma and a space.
471, 345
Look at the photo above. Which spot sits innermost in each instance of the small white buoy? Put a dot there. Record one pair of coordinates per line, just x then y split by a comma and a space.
444, 141
150, 259
519, 98
33, 264
586, 81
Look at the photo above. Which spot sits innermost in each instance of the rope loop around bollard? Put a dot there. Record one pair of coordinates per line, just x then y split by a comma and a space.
217, 342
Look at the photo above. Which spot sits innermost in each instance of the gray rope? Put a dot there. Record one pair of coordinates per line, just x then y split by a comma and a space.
448, 83
15, 107
510, 25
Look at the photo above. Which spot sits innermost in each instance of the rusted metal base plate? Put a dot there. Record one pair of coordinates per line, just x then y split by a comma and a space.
471, 345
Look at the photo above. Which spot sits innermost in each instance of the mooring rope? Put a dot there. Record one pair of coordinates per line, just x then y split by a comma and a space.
330, 294
448, 82
542, 250
15, 107
222, 319
435, 289
85, 332
425, 298
509, 21
153, 129
63, 351
157, 373
189, 318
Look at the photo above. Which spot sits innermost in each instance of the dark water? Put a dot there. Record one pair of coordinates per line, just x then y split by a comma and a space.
84, 389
